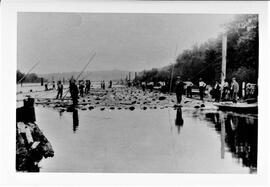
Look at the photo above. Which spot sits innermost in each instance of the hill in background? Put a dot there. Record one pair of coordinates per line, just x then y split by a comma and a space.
91, 75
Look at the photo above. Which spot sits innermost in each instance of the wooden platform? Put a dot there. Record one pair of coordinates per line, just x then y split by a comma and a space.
238, 107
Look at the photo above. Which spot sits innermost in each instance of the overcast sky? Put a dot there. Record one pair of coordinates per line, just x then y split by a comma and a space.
64, 42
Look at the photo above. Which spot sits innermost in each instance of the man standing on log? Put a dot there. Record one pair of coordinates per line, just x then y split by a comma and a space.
81, 88
179, 90
234, 90
87, 86
216, 92
60, 90
74, 92
202, 86
110, 84
189, 88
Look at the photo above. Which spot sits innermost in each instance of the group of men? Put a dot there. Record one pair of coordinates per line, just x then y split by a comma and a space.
46, 85
224, 92
84, 88
102, 84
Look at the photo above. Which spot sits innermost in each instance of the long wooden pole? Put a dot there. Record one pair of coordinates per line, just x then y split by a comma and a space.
172, 70
86, 66
82, 71
224, 55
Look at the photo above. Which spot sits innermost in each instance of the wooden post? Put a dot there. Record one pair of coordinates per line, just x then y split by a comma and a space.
224, 54
243, 89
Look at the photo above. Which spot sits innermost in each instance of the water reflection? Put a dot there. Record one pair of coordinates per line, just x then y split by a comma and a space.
60, 113
75, 117
179, 119
240, 133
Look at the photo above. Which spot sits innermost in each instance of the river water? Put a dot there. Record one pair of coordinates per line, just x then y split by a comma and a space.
185, 140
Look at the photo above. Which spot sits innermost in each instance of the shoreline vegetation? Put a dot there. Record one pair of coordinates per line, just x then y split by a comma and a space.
27, 78
204, 61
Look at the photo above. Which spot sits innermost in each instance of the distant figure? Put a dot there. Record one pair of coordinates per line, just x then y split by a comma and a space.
129, 84
53, 85
46, 86
234, 90
179, 89
202, 86
60, 90
110, 84
74, 92
143, 86
41, 81
225, 90
179, 119
87, 86
189, 89
103, 85
81, 88
150, 86
216, 92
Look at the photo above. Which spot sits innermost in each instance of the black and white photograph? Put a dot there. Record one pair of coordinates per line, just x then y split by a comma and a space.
137, 92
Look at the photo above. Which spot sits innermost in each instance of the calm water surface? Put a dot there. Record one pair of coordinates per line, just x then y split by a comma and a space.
183, 140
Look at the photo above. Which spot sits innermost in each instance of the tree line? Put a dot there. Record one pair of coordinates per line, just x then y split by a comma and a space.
30, 78
204, 61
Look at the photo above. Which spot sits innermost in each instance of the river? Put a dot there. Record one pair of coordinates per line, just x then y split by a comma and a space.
185, 140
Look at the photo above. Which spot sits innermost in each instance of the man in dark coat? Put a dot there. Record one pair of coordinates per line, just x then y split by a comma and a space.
81, 88
74, 92
179, 89
60, 90
202, 86
217, 92
87, 86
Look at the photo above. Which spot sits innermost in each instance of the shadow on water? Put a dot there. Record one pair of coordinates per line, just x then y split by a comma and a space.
179, 119
75, 118
240, 134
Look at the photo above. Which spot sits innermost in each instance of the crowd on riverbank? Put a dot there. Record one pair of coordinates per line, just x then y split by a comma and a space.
85, 94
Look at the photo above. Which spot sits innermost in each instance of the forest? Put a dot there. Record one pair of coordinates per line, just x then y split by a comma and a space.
204, 60
30, 78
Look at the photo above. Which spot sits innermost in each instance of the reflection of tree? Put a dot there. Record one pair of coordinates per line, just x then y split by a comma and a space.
75, 117
241, 136
179, 119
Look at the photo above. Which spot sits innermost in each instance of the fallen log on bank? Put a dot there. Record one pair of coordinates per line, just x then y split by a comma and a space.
31, 144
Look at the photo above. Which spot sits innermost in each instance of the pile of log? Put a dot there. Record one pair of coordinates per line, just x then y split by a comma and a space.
31, 144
